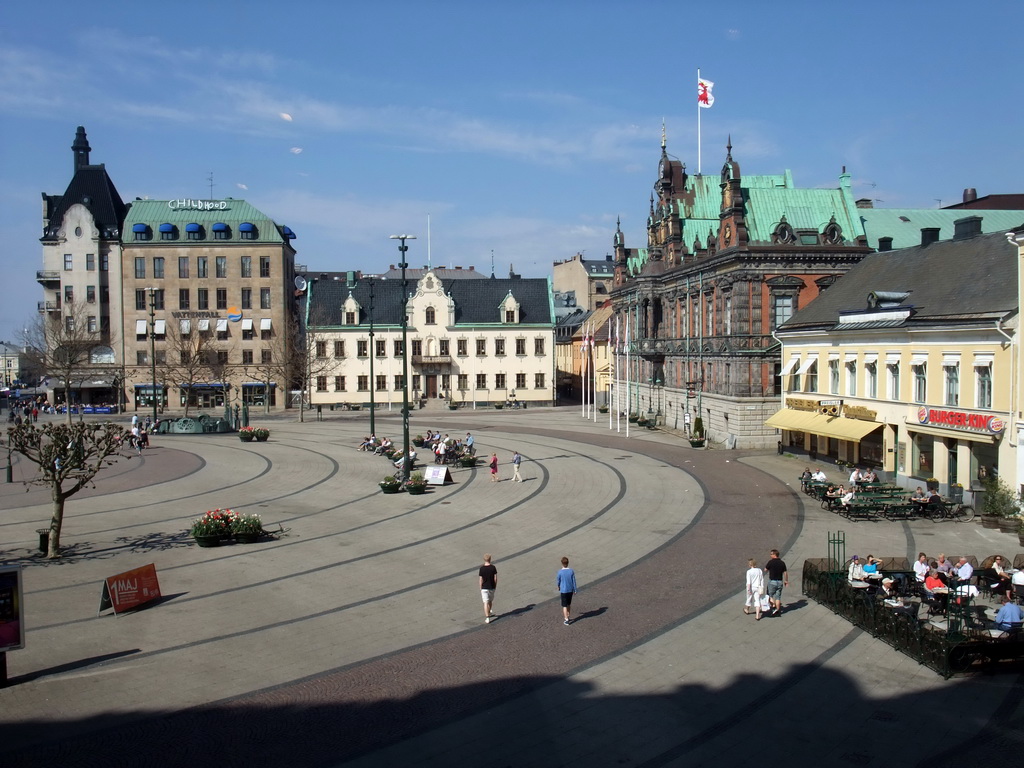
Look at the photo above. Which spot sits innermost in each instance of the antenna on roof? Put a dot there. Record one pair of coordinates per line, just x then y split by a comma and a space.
211, 184
492, 262
428, 241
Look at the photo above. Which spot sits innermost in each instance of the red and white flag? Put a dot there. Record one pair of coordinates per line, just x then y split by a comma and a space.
705, 98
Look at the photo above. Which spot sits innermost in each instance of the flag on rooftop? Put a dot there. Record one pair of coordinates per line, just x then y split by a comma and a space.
705, 98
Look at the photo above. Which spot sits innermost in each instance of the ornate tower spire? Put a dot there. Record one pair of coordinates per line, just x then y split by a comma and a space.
81, 149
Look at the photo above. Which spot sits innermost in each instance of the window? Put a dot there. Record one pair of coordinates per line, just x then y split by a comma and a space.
894, 380
952, 383
321, 383
248, 334
481, 381
264, 266
222, 298
246, 357
709, 316
461, 347
142, 357
362, 348
538, 381
140, 268
167, 232
381, 347
90, 294
339, 349
266, 356
499, 381
247, 231
193, 232
158, 300
499, 347
184, 298
481, 347
794, 381
183, 267
201, 267
185, 357
363, 384
339, 383
445, 347
247, 266
920, 383
69, 262
203, 298
417, 348
221, 232
923, 455
247, 298
871, 379
520, 346
463, 381
158, 267
264, 298
104, 295
833, 377
104, 262
431, 315
538, 346
520, 381
266, 334
398, 382
321, 349
984, 385
91, 324
782, 307
221, 266
140, 299
812, 378
510, 315
851, 378
69, 294
350, 318
90, 262
727, 318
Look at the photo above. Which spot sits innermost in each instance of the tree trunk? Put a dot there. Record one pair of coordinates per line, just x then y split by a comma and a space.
56, 522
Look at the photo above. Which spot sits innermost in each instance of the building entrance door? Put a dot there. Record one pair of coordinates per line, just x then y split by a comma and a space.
431, 390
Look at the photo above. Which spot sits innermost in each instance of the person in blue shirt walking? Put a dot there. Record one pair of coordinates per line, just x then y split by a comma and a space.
566, 580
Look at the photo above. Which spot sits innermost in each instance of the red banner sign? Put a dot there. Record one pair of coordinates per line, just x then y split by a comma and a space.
976, 422
130, 589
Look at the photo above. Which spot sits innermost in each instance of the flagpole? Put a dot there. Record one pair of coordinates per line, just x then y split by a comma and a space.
628, 405
618, 380
583, 369
698, 125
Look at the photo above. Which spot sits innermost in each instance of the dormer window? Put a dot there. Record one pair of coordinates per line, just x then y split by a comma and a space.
431, 316
168, 232
221, 231
510, 315
247, 231
193, 232
142, 232
783, 232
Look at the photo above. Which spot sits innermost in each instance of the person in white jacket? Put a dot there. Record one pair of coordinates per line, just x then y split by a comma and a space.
755, 588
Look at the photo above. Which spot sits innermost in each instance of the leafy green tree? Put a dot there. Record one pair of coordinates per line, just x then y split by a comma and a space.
68, 456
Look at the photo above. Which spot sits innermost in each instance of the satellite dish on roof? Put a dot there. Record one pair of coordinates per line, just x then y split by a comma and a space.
300, 282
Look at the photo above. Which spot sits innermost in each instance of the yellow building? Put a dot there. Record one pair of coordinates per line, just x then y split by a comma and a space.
907, 364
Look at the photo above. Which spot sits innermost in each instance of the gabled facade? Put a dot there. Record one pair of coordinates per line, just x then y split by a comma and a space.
908, 364
471, 342
588, 280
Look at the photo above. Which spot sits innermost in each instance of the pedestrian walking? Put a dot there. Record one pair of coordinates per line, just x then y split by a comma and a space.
516, 461
778, 577
488, 583
566, 581
469, 442
755, 588
494, 467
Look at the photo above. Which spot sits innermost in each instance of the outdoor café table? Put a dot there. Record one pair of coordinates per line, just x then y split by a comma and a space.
859, 584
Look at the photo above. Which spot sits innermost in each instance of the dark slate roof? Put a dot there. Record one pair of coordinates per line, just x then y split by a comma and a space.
476, 301
441, 272
92, 187
964, 280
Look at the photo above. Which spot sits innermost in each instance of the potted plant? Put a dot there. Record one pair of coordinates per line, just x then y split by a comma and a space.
467, 462
602, 408
390, 484
697, 436
416, 484
932, 483
247, 528
452, 406
641, 422
261, 434
498, 406
209, 529
633, 418
418, 441
247, 434
998, 503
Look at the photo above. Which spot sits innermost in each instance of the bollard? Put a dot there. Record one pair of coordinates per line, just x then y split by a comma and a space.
44, 539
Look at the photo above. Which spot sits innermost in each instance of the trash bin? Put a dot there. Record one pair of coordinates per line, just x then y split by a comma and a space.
44, 539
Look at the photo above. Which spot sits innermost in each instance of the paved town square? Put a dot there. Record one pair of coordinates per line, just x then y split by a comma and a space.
355, 635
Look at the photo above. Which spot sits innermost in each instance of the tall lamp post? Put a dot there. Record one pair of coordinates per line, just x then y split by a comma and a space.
402, 248
152, 346
373, 352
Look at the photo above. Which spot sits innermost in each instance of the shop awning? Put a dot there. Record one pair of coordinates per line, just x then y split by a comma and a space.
265, 324
806, 366
160, 327
222, 325
246, 323
838, 427
978, 437
140, 327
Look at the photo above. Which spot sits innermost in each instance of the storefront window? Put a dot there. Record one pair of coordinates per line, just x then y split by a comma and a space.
871, 449
923, 459
984, 463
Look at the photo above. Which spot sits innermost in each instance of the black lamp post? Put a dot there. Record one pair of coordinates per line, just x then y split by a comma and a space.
373, 407
152, 346
405, 355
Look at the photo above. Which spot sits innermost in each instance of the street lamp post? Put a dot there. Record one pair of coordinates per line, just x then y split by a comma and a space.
373, 406
152, 347
402, 249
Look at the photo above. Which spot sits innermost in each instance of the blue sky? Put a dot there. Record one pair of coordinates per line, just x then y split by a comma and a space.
524, 129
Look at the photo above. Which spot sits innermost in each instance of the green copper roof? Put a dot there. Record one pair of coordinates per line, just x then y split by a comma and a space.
182, 212
904, 225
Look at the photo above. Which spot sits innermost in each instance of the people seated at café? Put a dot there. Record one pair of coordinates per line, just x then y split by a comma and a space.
819, 476
847, 498
1009, 616
921, 566
888, 590
871, 567
856, 571
855, 476
919, 496
835, 494
869, 477
998, 579
943, 566
933, 581
963, 569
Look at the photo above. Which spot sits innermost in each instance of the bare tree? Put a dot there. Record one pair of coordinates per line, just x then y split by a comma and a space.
282, 360
312, 352
192, 357
68, 456
70, 347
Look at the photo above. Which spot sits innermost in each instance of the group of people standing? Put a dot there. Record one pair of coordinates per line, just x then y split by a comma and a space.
565, 582
767, 582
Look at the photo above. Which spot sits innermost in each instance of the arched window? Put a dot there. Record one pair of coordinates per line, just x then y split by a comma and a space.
431, 316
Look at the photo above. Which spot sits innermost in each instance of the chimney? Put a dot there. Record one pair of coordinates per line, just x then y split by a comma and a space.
865, 202
609, 257
472, 268
929, 235
967, 227
884, 244
970, 195
458, 267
